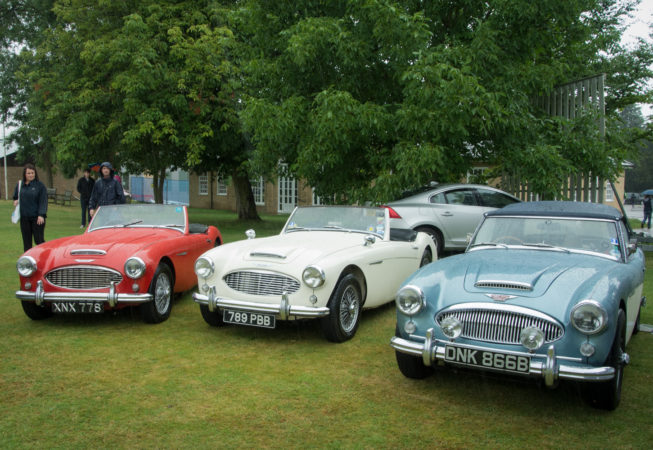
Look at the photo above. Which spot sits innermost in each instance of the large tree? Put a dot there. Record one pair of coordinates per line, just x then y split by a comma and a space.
366, 98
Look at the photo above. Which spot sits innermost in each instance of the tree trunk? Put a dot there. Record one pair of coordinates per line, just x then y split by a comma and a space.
47, 165
245, 205
158, 179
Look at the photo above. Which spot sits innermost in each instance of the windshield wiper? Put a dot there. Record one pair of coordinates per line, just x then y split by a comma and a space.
174, 225
288, 230
543, 245
488, 244
132, 223
333, 227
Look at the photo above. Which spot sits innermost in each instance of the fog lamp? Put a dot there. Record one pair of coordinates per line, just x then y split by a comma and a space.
587, 349
205, 288
135, 287
28, 285
451, 327
312, 299
531, 337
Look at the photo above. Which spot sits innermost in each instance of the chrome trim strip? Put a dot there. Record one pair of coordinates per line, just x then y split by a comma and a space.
283, 308
503, 284
268, 255
550, 369
88, 251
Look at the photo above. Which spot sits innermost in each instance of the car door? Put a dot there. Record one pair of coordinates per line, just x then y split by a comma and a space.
458, 212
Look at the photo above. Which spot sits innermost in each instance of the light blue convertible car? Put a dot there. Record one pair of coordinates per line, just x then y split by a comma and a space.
548, 290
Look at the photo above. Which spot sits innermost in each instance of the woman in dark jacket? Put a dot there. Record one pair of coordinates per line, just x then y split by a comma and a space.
33, 207
107, 190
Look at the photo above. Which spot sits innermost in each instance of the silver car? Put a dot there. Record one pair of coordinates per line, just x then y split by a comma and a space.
448, 212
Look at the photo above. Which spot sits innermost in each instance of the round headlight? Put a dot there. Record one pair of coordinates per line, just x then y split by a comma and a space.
589, 317
410, 300
451, 327
26, 266
134, 268
204, 267
313, 276
531, 337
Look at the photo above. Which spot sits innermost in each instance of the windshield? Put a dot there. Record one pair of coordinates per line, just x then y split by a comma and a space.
344, 218
139, 215
596, 236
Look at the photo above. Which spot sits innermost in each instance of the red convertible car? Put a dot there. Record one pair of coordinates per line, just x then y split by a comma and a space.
130, 255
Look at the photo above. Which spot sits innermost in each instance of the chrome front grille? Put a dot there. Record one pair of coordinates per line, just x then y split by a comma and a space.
501, 325
261, 283
83, 277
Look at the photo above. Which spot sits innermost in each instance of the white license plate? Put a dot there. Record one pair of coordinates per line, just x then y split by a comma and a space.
249, 318
487, 359
77, 307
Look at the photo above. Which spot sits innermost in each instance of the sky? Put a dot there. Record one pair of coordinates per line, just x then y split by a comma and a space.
639, 27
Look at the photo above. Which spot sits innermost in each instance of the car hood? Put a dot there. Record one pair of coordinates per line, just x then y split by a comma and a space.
101, 245
540, 279
292, 249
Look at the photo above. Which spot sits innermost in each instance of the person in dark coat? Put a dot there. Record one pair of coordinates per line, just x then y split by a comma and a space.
107, 190
33, 197
85, 188
647, 211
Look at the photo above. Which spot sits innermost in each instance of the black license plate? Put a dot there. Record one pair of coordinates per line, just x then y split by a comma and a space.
249, 318
487, 359
77, 307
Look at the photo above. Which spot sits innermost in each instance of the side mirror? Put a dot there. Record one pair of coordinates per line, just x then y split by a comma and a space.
632, 246
369, 240
251, 234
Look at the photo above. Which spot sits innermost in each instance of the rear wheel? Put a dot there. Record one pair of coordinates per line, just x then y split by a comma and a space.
427, 258
212, 318
435, 234
36, 312
161, 288
345, 308
607, 394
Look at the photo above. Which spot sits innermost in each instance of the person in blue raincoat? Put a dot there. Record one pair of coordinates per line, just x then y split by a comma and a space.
107, 190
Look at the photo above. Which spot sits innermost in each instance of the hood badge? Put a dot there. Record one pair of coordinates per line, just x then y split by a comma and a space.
501, 297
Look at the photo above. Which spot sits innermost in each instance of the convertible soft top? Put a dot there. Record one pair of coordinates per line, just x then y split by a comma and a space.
559, 209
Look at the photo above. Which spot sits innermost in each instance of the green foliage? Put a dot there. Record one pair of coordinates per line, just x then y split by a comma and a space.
365, 99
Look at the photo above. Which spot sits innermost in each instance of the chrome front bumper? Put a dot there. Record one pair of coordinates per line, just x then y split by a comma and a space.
283, 309
112, 297
551, 368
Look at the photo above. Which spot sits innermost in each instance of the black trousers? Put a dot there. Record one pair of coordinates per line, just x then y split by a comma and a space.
29, 229
85, 211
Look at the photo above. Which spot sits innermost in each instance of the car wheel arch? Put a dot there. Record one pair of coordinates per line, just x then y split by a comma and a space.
167, 261
434, 229
360, 278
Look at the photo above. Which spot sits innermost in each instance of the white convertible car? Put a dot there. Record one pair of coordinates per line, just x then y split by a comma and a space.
329, 262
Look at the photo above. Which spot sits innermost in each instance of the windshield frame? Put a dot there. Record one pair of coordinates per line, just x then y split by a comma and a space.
541, 246
381, 229
132, 217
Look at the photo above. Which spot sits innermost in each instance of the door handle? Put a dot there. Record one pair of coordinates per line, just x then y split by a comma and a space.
447, 214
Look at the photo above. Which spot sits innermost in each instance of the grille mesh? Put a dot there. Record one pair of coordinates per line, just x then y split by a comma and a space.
83, 277
261, 283
502, 327
504, 285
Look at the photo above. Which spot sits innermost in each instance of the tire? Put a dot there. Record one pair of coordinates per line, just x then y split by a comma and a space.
345, 311
436, 236
427, 258
35, 312
412, 366
607, 394
161, 288
212, 318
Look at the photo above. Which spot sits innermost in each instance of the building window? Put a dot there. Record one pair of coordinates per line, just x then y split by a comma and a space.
609, 194
222, 187
258, 189
203, 187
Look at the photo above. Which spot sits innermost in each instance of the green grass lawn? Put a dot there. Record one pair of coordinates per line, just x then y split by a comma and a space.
111, 381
